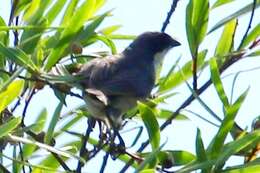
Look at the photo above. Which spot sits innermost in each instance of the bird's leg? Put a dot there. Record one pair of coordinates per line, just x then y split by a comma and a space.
114, 132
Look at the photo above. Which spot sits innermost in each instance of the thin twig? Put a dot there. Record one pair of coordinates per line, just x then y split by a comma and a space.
3, 169
103, 166
91, 124
249, 24
27, 102
18, 102
194, 72
11, 17
62, 163
15, 32
167, 20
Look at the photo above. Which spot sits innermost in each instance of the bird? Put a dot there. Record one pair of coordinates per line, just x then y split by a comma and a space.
112, 85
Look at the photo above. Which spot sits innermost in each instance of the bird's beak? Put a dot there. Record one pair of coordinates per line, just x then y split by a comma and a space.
175, 43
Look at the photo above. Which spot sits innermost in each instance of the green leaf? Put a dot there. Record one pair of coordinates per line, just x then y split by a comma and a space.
215, 77
176, 78
54, 11
108, 42
21, 5
110, 29
217, 143
252, 36
19, 57
196, 166
40, 121
148, 171
36, 11
240, 12
151, 124
10, 93
4, 35
221, 2
52, 162
200, 151
29, 13
82, 14
165, 114
89, 30
34, 36
246, 169
69, 124
225, 43
121, 37
178, 157
69, 12
256, 53
150, 158
53, 123
251, 139
251, 167
9, 126
197, 14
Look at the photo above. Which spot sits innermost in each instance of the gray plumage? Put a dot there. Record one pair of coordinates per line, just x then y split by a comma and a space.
114, 84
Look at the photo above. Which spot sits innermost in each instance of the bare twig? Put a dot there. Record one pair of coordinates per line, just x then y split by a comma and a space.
27, 102
91, 124
103, 166
167, 20
62, 163
11, 17
249, 24
3, 169
194, 72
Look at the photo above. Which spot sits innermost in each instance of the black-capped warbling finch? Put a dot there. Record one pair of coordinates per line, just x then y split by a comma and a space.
114, 84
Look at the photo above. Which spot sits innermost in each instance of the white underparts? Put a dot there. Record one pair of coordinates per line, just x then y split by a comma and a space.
158, 61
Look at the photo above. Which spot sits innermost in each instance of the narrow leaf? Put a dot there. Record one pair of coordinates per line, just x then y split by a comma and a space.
225, 43
240, 12
197, 14
9, 126
215, 77
251, 140
179, 77
221, 2
19, 57
69, 12
151, 124
110, 29
54, 11
40, 121
53, 123
252, 36
200, 151
82, 14
10, 93
217, 143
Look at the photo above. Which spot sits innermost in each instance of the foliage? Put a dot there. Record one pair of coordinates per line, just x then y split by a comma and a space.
29, 53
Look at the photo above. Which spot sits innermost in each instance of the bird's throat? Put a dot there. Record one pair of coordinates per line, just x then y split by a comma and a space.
158, 61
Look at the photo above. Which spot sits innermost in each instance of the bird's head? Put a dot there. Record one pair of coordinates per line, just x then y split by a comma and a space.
152, 43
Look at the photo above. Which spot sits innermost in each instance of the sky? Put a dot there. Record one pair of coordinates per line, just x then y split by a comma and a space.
136, 17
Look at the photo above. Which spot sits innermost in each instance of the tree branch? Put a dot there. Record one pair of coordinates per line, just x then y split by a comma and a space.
167, 20
249, 24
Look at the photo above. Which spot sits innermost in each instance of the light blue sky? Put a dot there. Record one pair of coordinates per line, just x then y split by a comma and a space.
137, 16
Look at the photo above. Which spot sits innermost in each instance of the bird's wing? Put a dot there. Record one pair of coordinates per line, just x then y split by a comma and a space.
108, 76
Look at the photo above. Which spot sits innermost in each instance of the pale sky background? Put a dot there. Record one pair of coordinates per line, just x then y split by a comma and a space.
137, 16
